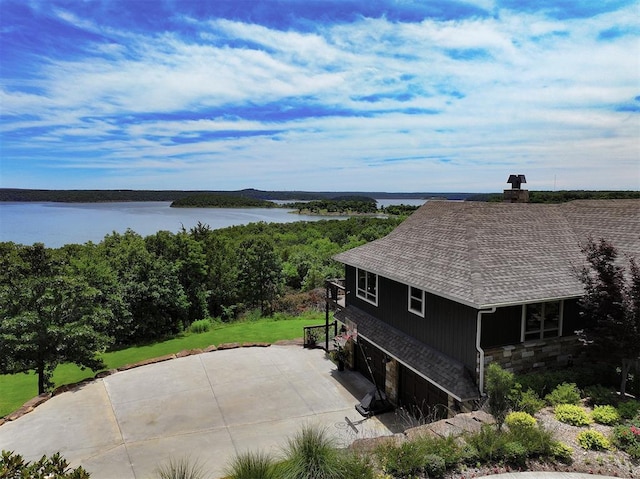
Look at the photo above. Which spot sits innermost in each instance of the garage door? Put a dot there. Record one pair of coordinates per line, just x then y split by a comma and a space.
366, 352
419, 396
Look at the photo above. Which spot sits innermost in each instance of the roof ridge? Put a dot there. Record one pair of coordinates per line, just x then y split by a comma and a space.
475, 271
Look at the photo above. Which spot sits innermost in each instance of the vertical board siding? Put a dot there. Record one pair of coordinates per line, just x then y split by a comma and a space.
448, 326
502, 327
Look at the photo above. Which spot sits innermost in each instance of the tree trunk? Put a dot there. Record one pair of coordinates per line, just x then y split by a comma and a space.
41, 379
624, 373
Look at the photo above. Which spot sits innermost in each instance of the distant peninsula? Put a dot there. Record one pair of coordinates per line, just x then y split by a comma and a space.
218, 200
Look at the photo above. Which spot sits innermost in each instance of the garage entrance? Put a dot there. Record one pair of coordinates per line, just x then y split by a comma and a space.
420, 397
367, 352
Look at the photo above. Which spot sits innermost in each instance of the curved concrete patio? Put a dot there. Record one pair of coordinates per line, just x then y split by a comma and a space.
207, 407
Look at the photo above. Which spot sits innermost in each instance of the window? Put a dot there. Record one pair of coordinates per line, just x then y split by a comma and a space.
416, 301
541, 320
367, 286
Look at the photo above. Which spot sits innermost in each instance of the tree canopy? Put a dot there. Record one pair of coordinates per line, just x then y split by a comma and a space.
610, 307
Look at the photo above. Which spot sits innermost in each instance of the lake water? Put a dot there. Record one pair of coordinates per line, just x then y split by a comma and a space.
57, 224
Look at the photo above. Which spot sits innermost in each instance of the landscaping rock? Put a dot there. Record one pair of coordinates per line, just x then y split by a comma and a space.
188, 352
228, 346
147, 362
211, 348
256, 345
364, 445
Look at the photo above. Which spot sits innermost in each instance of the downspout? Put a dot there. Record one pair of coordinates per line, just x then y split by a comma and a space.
479, 348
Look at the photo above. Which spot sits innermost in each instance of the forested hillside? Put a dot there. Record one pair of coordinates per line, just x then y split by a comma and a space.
64, 305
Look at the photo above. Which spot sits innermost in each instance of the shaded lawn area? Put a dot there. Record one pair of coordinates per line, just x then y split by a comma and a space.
16, 389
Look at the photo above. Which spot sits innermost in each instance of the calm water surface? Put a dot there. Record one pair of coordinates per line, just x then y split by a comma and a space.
57, 224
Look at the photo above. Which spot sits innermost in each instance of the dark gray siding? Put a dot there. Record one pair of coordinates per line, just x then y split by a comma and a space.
448, 326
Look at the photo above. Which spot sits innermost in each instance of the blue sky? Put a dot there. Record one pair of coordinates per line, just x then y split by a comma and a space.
319, 95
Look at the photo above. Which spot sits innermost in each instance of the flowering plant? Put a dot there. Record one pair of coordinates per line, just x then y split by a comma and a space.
340, 341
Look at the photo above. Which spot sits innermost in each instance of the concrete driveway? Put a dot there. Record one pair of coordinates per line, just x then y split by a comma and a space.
207, 407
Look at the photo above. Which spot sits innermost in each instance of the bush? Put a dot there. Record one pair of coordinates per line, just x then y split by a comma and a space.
628, 409
251, 465
518, 420
565, 393
402, 460
515, 453
14, 466
499, 384
572, 414
593, 440
354, 466
311, 454
488, 443
561, 452
180, 469
627, 438
607, 415
526, 401
600, 396
200, 326
435, 466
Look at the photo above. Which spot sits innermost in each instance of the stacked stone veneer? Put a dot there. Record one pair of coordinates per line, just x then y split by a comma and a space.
392, 380
530, 355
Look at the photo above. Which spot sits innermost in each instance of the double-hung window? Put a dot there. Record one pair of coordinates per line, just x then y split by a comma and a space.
416, 301
541, 320
367, 286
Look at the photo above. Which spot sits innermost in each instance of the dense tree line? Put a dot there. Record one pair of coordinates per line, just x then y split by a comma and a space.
219, 200
561, 196
67, 304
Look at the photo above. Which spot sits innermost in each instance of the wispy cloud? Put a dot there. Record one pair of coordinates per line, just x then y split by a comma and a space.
392, 95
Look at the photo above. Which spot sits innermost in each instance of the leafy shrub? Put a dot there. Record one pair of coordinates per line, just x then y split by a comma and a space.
565, 393
250, 465
561, 452
403, 460
488, 443
627, 438
180, 469
354, 466
628, 409
593, 440
14, 466
311, 454
572, 414
515, 453
600, 396
499, 384
607, 415
526, 401
518, 420
200, 326
434, 465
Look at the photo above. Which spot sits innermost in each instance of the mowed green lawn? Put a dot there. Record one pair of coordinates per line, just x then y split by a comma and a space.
16, 389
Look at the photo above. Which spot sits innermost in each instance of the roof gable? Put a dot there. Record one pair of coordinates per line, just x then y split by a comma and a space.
489, 254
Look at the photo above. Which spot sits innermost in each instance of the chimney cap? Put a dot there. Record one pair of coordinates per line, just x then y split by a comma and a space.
516, 180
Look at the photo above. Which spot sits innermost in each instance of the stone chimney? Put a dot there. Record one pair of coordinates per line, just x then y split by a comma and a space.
516, 194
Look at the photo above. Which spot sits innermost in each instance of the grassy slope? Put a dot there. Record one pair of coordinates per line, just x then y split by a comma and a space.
16, 389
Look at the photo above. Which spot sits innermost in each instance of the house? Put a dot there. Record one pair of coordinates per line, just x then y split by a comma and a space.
461, 284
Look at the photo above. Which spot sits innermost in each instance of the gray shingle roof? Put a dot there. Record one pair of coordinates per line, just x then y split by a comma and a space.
490, 254
446, 372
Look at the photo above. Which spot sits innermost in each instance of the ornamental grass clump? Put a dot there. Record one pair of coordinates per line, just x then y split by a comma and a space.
183, 468
607, 415
251, 465
593, 440
311, 454
200, 326
572, 414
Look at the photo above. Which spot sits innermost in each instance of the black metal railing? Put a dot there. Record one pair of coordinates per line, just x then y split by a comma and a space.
320, 336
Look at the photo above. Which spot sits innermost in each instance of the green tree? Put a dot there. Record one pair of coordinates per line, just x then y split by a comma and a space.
610, 308
260, 273
50, 319
499, 384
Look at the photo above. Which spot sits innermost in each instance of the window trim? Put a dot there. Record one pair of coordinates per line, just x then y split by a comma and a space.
364, 294
422, 299
542, 330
